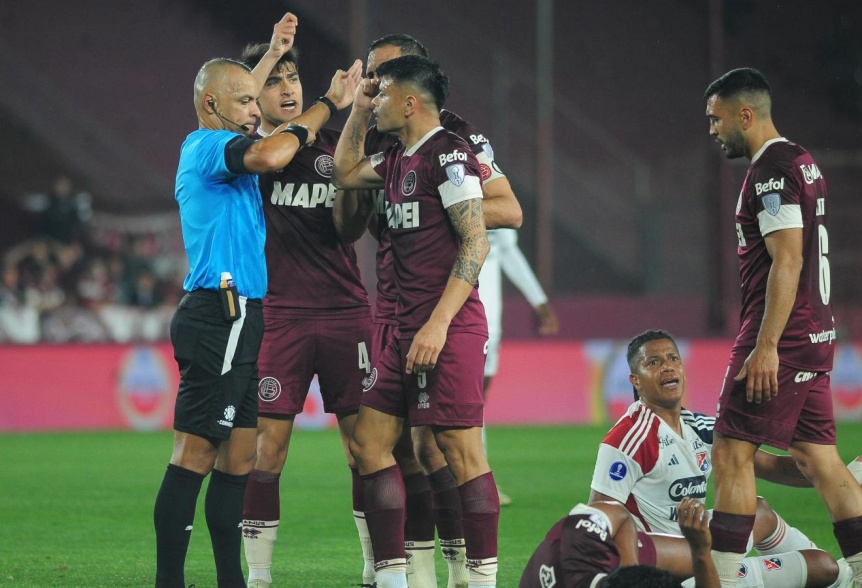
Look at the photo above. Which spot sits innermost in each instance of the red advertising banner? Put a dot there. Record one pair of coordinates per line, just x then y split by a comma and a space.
80, 387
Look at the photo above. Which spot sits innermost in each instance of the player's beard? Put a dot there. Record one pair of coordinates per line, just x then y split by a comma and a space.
734, 144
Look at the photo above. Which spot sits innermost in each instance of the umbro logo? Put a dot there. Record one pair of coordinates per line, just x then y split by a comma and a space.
673, 460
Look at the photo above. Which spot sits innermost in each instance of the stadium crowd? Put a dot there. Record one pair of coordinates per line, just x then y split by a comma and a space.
88, 280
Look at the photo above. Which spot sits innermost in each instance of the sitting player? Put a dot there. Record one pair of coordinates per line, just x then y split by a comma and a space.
659, 453
596, 546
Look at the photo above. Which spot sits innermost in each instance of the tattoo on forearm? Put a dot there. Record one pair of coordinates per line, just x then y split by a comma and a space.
357, 140
469, 223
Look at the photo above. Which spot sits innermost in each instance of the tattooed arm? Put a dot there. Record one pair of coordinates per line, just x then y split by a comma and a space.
469, 224
351, 168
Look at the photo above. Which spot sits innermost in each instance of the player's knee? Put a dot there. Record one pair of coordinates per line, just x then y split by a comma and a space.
765, 520
822, 567
430, 457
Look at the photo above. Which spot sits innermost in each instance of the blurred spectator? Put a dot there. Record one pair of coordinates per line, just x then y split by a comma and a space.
63, 214
108, 281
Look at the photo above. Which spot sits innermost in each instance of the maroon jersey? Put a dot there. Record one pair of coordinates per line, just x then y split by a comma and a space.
419, 184
311, 271
785, 189
576, 550
376, 142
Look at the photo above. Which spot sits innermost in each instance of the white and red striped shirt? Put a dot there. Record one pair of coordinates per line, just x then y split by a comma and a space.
646, 465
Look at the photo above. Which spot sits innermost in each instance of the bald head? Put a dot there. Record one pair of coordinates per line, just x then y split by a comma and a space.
225, 91
217, 75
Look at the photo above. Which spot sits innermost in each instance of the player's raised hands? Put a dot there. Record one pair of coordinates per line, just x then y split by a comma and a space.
365, 93
343, 86
283, 34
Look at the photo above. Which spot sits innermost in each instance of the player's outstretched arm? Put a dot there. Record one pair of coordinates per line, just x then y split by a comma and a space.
694, 523
779, 469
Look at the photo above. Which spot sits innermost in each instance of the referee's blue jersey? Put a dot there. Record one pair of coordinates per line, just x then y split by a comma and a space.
222, 217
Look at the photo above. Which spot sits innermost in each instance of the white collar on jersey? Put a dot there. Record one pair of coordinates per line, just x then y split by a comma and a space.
765, 145
422, 141
263, 134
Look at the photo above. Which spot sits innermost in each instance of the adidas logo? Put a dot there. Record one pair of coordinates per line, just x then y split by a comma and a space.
673, 461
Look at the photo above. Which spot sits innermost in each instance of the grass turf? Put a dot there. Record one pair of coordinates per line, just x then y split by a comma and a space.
76, 508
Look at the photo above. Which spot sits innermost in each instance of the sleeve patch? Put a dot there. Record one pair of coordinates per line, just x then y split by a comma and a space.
456, 174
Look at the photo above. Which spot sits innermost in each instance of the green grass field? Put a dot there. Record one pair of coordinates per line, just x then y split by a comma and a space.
76, 508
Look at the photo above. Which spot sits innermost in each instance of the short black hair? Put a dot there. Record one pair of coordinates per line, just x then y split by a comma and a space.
422, 72
639, 576
744, 80
407, 44
639, 341
254, 52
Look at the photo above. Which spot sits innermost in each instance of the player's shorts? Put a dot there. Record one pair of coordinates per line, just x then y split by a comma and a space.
293, 350
217, 360
574, 553
450, 395
802, 411
384, 333
492, 361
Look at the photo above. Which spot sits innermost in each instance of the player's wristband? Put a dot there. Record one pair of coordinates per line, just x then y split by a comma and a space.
328, 103
299, 131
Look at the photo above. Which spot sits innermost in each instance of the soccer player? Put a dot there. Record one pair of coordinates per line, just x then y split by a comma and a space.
431, 373
217, 329
596, 545
659, 452
506, 257
317, 317
776, 390
432, 499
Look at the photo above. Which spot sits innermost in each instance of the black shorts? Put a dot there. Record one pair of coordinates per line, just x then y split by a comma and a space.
218, 365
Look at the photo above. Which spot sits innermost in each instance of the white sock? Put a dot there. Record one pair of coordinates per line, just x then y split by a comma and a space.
855, 563
483, 572
455, 554
855, 468
420, 564
727, 564
845, 575
258, 540
783, 570
784, 539
367, 551
393, 576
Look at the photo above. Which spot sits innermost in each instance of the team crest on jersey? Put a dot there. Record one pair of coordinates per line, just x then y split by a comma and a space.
547, 577
771, 564
703, 461
268, 389
408, 184
369, 380
618, 471
772, 203
323, 165
456, 173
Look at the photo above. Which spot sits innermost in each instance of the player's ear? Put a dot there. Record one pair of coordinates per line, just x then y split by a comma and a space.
635, 382
746, 117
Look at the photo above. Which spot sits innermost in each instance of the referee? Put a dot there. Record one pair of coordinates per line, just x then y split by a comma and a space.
217, 328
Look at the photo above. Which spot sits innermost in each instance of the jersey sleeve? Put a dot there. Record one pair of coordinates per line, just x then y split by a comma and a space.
211, 155
378, 164
615, 473
516, 267
778, 193
457, 174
